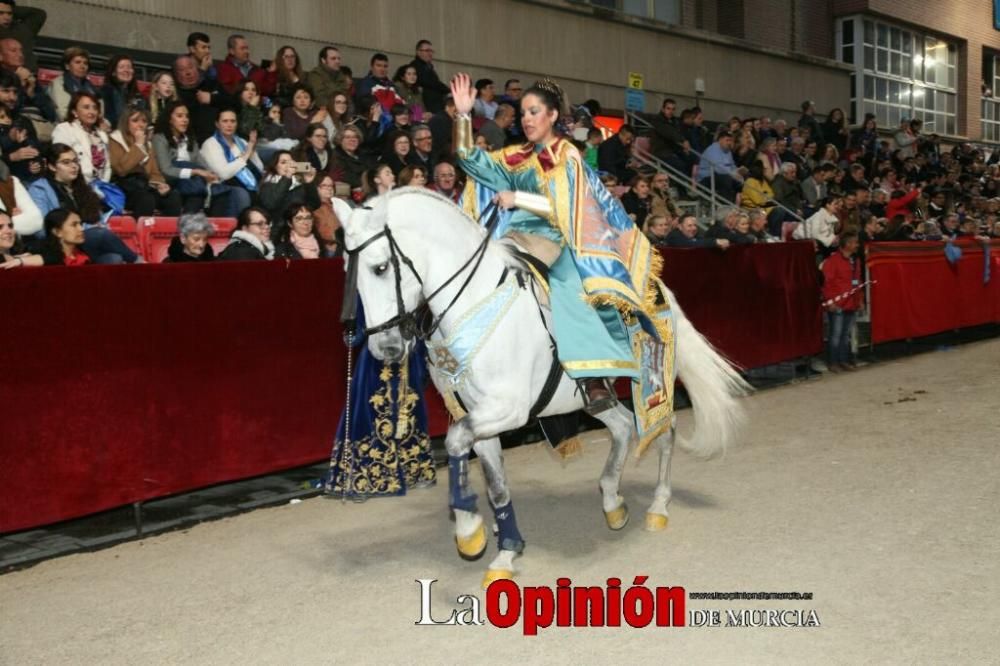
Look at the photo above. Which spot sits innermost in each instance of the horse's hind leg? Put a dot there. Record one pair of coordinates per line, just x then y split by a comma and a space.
470, 533
622, 429
656, 515
511, 543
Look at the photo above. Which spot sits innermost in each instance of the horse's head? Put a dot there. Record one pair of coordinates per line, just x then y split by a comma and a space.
377, 278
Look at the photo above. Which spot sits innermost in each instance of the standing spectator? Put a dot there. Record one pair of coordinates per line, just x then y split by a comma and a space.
191, 242
162, 93
177, 157
350, 163
594, 139
434, 90
717, 159
82, 132
901, 203
495, 130
377, 77
667, 135
23, 24
76, 66
251, 240
906, 138
288, 71
409, 89
234, 161
441, 126
200, 48
841, 276
326, 79
301, 113
136, 171
423, 145
835, 130
486, 103
686, 235
284, 187
296, 237
613, 154
807, 121
512, 91
120, 91
696, 133
446, 181
821, 226
237, 67
203, 98
637, 202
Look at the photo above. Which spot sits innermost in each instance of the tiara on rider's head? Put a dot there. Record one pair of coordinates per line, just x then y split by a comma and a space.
550, 86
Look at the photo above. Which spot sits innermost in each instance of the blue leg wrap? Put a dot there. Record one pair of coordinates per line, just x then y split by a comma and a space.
510, 536
461, 496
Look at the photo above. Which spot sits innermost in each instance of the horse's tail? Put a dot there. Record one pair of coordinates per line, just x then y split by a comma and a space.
713, 386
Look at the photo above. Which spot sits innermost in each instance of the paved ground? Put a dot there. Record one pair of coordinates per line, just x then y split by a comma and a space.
875, 490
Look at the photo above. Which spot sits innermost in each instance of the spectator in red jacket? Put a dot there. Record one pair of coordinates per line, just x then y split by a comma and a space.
237, 68
842, 275
901, 204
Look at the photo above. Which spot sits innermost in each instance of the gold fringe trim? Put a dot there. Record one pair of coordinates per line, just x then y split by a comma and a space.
570, 449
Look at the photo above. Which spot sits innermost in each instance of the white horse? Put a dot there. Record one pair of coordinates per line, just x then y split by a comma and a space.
428, 236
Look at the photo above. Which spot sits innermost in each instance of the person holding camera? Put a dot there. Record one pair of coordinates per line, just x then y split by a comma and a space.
287, 183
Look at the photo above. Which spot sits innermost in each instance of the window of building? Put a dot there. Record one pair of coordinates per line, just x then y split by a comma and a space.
991, 99
900, 73
668, 11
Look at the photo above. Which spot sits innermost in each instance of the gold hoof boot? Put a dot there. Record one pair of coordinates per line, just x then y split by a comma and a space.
473, 546
493, 575
656, 522
617, 518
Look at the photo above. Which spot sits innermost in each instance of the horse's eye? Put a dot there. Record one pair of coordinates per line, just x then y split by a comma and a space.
381, 268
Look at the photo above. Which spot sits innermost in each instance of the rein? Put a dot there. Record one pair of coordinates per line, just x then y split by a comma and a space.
409, 322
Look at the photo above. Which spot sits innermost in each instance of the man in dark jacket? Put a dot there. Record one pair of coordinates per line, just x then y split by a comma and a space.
808, 121
203, 98
378, 75
613, 154
441, 126
434, 90
686, 235
22, 24
667, 136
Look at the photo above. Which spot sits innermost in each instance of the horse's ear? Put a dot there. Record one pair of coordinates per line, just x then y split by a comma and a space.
343, 211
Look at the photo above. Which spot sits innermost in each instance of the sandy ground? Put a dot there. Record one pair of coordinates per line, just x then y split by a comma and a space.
877, 491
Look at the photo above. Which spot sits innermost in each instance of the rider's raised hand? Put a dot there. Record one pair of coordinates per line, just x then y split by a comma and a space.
463, 93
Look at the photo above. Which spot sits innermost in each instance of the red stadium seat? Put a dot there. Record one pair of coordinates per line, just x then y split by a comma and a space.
158, 232
125, 228
224, 227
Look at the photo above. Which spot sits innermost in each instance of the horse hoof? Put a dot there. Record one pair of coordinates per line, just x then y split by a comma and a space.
473, 546
618, 518
656, 522
493, 575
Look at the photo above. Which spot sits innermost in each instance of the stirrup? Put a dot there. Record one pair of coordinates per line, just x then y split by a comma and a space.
601, 404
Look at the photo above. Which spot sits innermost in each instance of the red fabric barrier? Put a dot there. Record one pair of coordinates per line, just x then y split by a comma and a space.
919, 292
759, 304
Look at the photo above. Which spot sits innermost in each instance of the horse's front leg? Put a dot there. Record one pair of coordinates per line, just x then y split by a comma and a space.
509, 537
656, 515
470, 533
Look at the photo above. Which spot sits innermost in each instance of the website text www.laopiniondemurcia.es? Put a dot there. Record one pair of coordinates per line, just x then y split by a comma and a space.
636, 606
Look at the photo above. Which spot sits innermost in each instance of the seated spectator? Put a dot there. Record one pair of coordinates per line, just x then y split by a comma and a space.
758, 227
744, 147
814, 187
283, 187
120, 90
423, 146
315, 149
82, 132
162, 93
136, 171
413, 176
657, 228
13, 254
376, 80
485, 105
203, 97
718, 160
821, 226
350, 164
369, 122
234, 161
251, 240
328, 226
613, 154
686, 235
400, 119
637, 202
65, 187
326, 80
199, 47
237, 68
31, 99
928, 230
787, 192
191, 243
273, 135
660, 194
951, 227
397, 151
23, 24
741, 234
377, 181
768, 158
594, 139
409, 89
251, 114
288, 70
796, 155
177, 157
900, 229
296, 237
18, 139
63, 239
446, 181
76, 66
338, 114
757, 192
841, 274
725, 224
495, 129
301, 113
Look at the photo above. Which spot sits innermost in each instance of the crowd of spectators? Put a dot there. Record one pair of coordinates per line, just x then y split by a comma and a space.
271, 142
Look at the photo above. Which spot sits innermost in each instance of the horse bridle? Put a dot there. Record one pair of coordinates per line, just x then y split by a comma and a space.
409, 323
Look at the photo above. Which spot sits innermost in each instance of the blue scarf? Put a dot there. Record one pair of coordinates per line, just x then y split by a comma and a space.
245, 175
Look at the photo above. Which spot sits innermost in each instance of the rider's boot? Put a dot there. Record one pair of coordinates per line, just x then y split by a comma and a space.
598, 395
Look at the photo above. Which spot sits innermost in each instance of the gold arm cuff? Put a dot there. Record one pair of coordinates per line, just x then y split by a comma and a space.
464, 141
